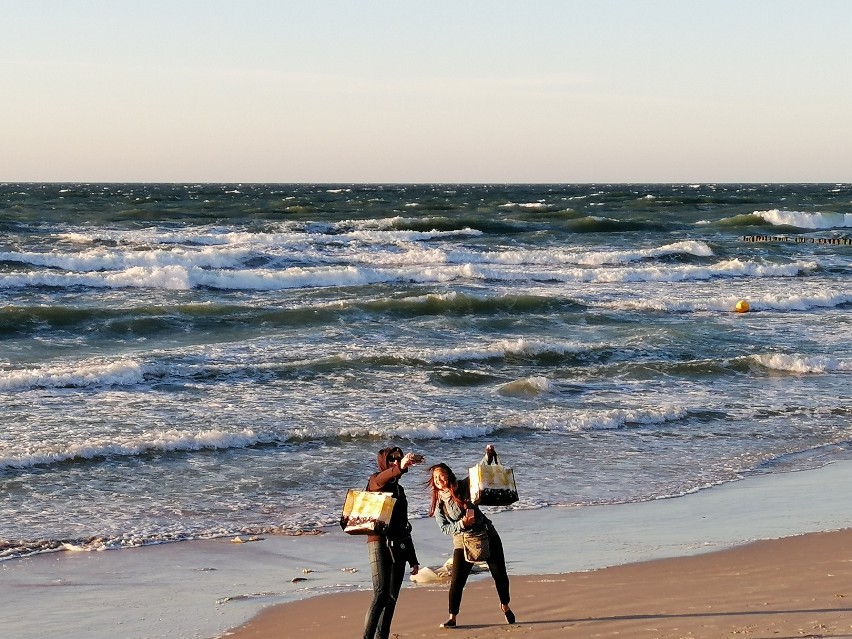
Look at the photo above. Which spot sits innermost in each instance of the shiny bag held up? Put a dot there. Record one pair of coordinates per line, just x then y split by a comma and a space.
366, 512
492, 484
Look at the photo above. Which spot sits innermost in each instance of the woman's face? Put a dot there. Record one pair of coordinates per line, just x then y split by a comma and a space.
439, 478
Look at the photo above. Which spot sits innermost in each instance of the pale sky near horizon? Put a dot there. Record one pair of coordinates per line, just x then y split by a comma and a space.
465, 91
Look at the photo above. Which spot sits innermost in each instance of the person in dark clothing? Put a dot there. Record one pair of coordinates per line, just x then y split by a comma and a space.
390, 551
456, 514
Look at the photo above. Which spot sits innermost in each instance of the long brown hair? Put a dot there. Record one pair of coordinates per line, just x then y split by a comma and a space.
452, 486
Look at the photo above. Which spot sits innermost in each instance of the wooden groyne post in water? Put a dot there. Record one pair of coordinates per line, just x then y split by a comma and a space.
845, 241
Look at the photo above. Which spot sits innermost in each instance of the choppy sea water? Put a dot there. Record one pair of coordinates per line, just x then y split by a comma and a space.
189, 361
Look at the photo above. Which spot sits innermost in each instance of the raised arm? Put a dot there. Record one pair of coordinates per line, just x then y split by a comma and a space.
490, 455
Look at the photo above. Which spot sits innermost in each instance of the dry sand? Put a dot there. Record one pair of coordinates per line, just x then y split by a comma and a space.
793, 587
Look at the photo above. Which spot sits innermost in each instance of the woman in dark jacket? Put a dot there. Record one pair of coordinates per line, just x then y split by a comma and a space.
456, 514
389, 551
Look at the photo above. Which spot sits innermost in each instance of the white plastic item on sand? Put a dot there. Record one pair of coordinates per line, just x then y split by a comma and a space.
425, 576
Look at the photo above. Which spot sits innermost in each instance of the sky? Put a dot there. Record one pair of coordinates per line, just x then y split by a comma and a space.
522, 91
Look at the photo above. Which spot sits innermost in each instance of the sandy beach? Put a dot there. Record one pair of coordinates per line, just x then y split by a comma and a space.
793, 587
797, 585
692, 566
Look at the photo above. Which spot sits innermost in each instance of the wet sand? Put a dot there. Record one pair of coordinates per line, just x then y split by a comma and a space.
793, 587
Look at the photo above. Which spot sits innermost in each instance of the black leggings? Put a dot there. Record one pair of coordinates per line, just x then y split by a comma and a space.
461, 571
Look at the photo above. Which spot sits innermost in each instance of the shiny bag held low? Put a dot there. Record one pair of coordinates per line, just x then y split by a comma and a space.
492, 484
366, 512
477, 546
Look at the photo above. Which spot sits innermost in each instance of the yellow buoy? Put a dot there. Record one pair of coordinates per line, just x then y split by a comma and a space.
741, 307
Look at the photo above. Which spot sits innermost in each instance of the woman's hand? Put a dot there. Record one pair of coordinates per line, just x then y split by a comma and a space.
490, 453
469, 518
415, 569
409, 459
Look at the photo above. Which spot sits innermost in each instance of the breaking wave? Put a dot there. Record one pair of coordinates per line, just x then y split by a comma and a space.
83, 375
183, 278
804, 220
611, 419
160, 441
803, 363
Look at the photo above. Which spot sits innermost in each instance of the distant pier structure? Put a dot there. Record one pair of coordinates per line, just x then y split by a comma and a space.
845, 241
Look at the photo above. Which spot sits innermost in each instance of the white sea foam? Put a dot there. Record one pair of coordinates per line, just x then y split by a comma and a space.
78, 375
372, 231
167, 277
159, 274
806, 302
541, 257
501, 349
413, 430
179, 277
296, 277
101, 259
411, 255
806, 220
803, 363
689, 247
182, 278
682, 273
610, 419
391, 237
138, 444
523, 205
579, 421
765, 301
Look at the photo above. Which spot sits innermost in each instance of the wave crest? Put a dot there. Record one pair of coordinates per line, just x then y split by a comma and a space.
161, 441
802, 363
527, 387
120, 373
612, 419
805, 220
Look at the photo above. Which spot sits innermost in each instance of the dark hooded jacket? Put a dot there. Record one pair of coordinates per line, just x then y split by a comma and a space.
386, 480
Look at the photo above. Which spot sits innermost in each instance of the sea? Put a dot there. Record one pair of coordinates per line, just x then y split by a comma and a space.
193, 361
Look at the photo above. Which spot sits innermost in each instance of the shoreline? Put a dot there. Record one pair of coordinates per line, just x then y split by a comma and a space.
205, 589
797, 586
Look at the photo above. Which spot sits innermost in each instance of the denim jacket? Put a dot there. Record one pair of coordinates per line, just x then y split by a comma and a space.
449, 515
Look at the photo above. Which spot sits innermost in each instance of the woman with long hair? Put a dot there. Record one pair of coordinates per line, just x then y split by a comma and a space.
456, 514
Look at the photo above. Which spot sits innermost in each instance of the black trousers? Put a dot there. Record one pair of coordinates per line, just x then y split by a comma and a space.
461, 571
